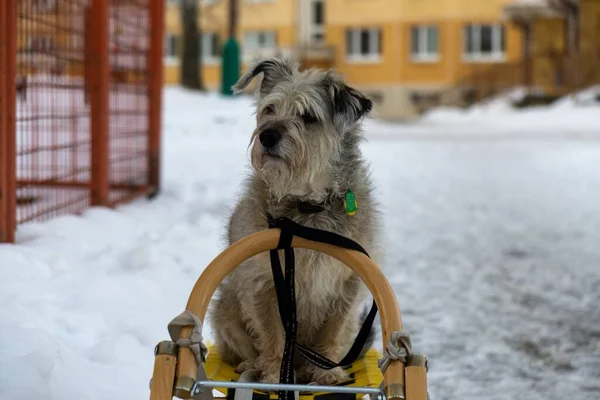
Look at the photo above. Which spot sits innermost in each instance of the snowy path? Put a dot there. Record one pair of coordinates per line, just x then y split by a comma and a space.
493, 248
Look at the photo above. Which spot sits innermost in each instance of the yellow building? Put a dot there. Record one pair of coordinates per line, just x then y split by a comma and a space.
399, 51
561, 50
418, 47
57, 38
38, 40
266, 28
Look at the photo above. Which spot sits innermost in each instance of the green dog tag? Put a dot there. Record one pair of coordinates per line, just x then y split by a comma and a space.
350, 204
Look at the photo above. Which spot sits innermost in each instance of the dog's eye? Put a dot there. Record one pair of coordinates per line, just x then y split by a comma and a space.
269, 110
309, 118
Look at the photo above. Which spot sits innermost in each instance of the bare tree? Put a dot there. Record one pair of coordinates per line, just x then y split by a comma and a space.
191, 62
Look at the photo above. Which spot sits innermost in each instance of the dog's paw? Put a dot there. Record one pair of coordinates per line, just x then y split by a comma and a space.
304, 375
245, 366
267, 377
331, 376
270, 369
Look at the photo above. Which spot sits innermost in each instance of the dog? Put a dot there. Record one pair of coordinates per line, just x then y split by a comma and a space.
304, 150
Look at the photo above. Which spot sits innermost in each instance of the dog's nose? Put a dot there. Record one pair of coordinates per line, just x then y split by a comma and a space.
270, 137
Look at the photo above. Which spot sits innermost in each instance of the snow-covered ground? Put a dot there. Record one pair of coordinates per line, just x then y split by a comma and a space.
575, 115
492, 230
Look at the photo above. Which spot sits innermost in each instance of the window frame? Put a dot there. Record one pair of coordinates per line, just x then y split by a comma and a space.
40, 43
353, 44
170, 59
259, 1
43, 6
214, 57
201, 2
423, 54
317, 29
472, 33
259, 34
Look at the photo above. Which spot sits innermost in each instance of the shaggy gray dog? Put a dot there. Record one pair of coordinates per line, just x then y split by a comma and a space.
305, 150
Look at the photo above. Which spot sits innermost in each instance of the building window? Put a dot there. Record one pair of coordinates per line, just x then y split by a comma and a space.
484, 42
424, 43
171, 48
211, 47
318, 12
40, 43
363, 44
317, 21
259, 40
43, 5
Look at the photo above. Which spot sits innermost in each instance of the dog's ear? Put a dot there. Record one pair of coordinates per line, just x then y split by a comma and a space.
273, 69
349, 105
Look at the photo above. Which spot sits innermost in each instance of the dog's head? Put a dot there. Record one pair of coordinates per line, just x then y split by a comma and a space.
305, 123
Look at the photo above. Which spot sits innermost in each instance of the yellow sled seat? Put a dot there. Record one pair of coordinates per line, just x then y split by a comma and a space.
363, 373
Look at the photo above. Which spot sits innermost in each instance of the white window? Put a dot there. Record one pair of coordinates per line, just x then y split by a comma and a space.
259, 40
363, 45
317, 21
40, 43
171, 48
28, 45
43, 5
175, 2
424, 43
211, 47
484, 42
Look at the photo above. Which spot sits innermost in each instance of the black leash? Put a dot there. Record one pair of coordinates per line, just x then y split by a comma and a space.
286, 299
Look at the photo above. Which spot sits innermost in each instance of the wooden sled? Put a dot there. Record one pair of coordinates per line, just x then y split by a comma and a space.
175, 367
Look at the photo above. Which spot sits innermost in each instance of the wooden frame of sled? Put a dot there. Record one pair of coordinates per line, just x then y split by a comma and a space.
175, 367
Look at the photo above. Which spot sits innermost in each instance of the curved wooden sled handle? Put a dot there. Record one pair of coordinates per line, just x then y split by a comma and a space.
267, 240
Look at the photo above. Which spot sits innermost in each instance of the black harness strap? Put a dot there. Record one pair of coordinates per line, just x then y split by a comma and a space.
286, 299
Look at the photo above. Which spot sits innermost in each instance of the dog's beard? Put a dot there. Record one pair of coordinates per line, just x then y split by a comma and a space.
274, 169
286, 176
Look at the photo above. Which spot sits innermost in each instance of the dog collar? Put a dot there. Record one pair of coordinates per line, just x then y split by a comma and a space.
350, 205
304, 207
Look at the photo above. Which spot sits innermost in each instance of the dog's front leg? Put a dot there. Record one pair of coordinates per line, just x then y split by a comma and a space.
331, 343
260, 309
334, 338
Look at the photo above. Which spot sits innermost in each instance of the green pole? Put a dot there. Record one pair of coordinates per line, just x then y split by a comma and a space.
230, 64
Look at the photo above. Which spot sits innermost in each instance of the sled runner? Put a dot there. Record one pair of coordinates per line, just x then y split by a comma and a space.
186, 368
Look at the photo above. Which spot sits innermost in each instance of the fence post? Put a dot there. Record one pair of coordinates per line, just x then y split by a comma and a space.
8, 48
3, 175
155, 84
100, 80
86, 54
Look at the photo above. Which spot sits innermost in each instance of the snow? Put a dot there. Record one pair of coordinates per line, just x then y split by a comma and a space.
492, 232
572, 115
542, 7
530, 3
586, 97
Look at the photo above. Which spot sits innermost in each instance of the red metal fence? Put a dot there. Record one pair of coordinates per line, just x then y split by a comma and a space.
80, 105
